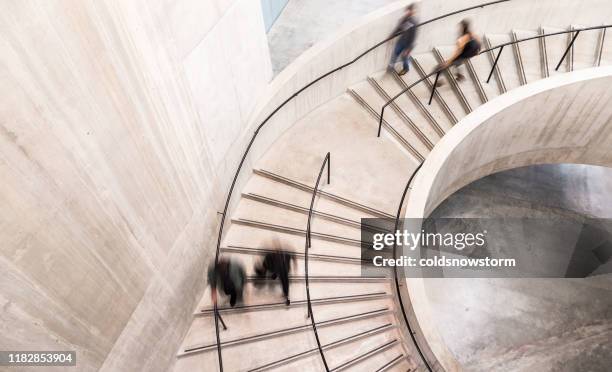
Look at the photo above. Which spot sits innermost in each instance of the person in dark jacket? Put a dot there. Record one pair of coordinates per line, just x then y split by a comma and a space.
278, 265
468, 46
227, 275
405, 42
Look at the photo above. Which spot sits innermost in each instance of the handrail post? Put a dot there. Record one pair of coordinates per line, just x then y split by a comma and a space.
567, 50
433, 89
380, 119
216, 310
495, 63
328, 168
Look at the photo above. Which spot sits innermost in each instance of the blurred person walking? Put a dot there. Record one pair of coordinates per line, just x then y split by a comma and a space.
229, 276
405, 42
468, 46
278, 264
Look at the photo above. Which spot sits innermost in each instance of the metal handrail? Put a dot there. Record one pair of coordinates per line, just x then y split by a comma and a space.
501, 48
397, 284
307, 245
263, 123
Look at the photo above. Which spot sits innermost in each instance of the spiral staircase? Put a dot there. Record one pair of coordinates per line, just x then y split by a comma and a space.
358, 318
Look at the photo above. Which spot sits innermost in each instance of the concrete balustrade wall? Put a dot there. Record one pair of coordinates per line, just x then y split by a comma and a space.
116, 117
563, 119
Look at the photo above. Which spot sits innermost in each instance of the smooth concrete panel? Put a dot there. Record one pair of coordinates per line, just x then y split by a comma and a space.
109, 197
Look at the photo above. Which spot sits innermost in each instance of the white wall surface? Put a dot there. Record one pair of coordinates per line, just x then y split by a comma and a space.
115, 120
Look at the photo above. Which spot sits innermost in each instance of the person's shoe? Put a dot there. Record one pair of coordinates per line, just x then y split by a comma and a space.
274, 276
287, 302
402, 73
390, 69
460, 77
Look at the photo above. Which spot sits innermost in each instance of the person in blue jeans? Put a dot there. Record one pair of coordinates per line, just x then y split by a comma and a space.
405, 42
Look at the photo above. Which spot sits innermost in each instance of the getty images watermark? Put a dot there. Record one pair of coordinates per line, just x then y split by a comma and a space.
485, 247
409, 240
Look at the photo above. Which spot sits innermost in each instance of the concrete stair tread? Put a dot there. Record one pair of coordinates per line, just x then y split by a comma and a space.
242, 325
255, 210
429, 62
315, 267
256, 294
249, 236
555, 47
356, 154
421, 115
507, 62
270, 185
585, 48
531, 55
468, 87
400, 132
482, 66
273, 349
423, 91
366, 349
606, 50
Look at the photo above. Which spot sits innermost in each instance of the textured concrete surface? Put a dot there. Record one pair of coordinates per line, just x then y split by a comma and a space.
112, 153
301, 24
528, 324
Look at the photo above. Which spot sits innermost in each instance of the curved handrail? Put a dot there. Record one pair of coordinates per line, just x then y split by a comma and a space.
254, 136
500, 47
307, 245
397, 285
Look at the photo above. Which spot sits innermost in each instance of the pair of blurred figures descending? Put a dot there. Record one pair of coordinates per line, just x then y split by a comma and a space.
467, 45
229, 275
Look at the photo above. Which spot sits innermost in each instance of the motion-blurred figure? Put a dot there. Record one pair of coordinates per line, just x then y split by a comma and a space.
228, 275
468, 46
277, 264
405, 42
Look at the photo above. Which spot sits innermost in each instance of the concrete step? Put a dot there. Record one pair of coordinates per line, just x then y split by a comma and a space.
344, 128
426, 63
392, 126
278, 347
305, 210
532, 59
323, 194
555, 47
431, 122
247, 235
422, 90
403, 112
507, 63
470, 90
315, 267
606, 47
254, 326
253, 210
585, 50
481, 65
262, 295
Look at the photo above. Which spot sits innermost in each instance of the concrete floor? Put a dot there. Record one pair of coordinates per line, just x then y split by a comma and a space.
529, 324
304, 22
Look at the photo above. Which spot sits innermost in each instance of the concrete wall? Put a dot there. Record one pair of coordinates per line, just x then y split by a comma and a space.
564, 119
116, 117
